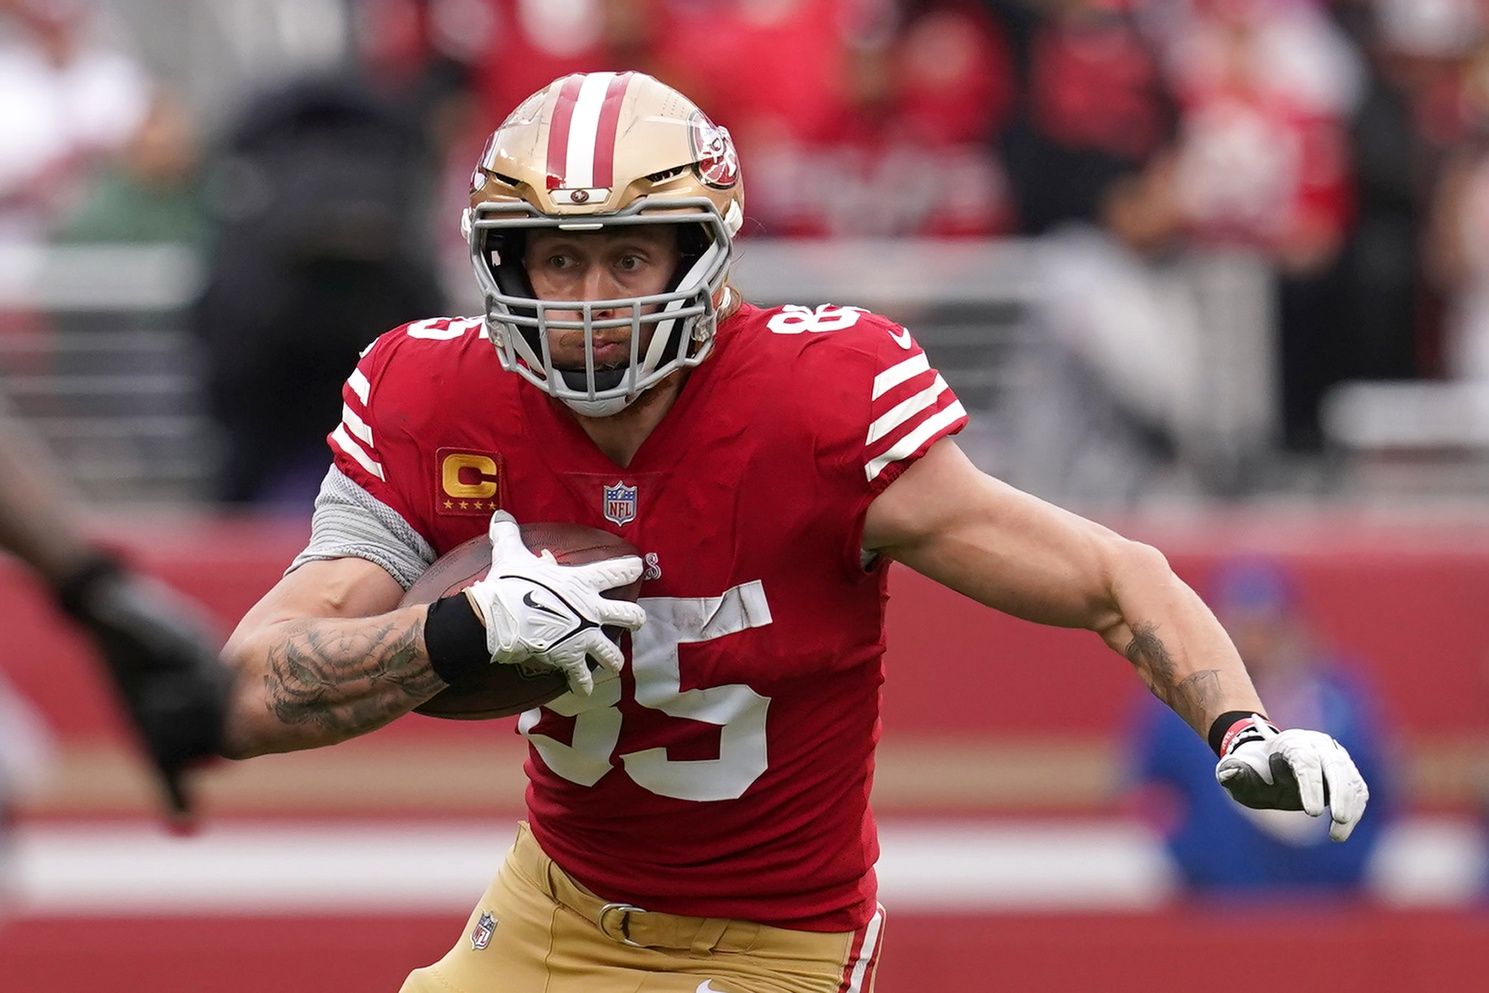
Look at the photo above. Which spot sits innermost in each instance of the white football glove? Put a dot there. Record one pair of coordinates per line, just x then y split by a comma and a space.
1267, 769
537, 611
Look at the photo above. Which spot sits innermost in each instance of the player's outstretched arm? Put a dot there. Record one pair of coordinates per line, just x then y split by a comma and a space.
1014, 552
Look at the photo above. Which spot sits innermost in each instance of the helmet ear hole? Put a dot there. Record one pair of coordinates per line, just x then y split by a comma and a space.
692, 241
505, 252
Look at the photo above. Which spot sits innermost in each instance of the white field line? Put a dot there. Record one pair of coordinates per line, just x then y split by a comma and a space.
137, 870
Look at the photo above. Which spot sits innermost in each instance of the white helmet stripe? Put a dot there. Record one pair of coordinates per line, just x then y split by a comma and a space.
584, 129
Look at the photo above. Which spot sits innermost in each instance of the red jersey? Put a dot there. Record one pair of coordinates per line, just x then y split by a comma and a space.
726, 771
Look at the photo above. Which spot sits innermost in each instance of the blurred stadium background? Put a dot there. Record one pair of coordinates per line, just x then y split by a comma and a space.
1211, 271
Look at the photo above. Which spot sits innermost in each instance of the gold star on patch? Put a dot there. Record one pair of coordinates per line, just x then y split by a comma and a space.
449, 504
491, 505
465, 505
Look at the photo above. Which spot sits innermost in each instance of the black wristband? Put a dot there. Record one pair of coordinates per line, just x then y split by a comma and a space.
455, 639
1225, 722
74, 590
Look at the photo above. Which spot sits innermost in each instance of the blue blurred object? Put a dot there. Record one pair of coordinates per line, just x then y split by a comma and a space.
1218, 844
1255, 585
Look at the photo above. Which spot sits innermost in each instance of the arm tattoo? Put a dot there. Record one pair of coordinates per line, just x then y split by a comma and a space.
1195, 697
1192, 697
345, 678
1147, 652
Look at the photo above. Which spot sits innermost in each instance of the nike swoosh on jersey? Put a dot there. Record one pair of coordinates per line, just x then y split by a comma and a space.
902, 338
707, 986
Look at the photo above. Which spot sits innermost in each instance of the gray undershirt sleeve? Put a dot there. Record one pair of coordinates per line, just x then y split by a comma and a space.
349, 522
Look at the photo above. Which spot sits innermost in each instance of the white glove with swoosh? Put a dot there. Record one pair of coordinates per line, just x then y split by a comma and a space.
1267, 769
538, 611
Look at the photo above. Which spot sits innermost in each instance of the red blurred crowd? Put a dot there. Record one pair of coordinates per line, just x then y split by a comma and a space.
1345, 140
943, 117
1341, 139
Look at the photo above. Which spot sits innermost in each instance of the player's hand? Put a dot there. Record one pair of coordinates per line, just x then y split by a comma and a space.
162, 658
538, 611
1267, 769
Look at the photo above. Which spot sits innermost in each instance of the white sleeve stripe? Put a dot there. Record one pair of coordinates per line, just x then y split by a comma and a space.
344, 441
358, 426
906, 409
897, 374
358, 382
907, 445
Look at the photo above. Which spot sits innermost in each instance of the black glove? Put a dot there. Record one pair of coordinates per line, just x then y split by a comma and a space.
163, 661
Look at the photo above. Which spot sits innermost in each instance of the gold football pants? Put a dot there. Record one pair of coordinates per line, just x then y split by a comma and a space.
536, 930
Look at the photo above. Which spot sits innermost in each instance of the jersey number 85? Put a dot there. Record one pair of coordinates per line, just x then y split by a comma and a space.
737, 710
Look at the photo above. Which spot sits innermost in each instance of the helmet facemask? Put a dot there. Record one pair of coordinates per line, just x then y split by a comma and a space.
682, 319
591, 152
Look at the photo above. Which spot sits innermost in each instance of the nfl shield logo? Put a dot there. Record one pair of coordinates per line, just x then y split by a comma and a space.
480, 935
620, 503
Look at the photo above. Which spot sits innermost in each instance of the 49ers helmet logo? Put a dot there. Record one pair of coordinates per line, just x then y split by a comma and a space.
713, 152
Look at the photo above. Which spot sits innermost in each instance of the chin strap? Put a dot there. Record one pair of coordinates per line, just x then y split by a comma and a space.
599, 408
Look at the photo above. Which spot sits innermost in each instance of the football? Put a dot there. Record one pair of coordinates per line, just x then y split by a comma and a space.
505, 690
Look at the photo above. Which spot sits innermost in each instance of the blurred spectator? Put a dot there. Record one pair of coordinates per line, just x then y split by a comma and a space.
1256, 169
860, 118
540, 40
319, 198
148, 192
422, 49
1261, 146
1107, 388
1112, 400
1265, 88
1218, 844
426, 57
898, 140
69, 97
1381, 306
1097, 112
1459, 235
770, 70
1287, 50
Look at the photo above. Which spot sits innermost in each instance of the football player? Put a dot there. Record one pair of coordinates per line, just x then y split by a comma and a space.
160, 655
698, 814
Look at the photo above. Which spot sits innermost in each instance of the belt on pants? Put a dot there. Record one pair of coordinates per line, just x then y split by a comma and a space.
627, 923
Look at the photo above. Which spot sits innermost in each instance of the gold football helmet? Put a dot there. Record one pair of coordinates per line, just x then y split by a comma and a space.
592, 151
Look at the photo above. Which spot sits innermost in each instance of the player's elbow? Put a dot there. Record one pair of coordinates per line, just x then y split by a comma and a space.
1136, 558
245, 734
237, 744
1126, 566
249, 729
